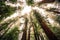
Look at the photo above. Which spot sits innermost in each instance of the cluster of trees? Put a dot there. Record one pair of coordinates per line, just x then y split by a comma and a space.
41, 31
5, 32
5, 10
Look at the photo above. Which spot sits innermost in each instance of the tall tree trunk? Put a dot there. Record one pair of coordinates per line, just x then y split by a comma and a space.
33, 28
29, 34
34, 33
48, 32
25, 31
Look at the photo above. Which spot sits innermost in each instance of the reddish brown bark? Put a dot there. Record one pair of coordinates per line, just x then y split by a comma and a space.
29, 34
48, 1
25, 31
24, 35
48, 32
34, 33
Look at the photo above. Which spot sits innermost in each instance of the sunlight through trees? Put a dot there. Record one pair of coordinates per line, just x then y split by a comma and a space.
29, 20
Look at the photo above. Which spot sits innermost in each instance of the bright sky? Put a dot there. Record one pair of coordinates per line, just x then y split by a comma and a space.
26, 10
36, 1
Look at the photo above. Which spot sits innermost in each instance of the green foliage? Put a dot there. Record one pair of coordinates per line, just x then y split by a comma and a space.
55, 30
30, 2
13, 1
5, 10
3, 0
11, 35
58, 19
51, 9
4, 26
2, 3
38, 29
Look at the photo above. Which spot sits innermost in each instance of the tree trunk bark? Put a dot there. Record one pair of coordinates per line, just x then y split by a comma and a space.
48, 32
29, 34
24, 37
